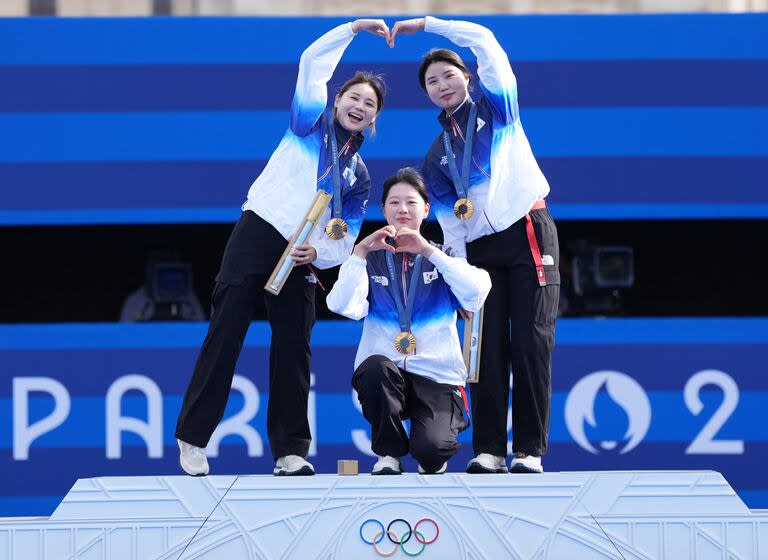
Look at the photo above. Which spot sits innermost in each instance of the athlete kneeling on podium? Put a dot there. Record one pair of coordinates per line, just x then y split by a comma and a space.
409, 363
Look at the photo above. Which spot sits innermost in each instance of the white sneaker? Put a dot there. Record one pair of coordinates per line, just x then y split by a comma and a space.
293, 465
387, 465
441, 470
486, 463
523, 463
192, 459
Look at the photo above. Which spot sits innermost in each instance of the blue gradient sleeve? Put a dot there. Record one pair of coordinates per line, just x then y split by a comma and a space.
316, 67
497, 80
349, 296
469, 284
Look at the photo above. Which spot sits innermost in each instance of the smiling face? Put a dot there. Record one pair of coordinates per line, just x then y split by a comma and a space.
404, 206
356, 108
446, 85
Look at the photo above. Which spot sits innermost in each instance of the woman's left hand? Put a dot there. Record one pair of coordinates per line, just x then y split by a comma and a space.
375, 26
303, 254
406, 27
410, 240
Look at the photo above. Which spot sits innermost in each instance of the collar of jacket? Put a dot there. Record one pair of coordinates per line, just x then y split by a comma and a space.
460, 115
342, 135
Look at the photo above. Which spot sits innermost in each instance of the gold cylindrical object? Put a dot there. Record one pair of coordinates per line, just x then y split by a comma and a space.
303, 233
473, 340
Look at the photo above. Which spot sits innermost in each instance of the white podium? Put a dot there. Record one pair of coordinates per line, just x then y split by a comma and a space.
568, 515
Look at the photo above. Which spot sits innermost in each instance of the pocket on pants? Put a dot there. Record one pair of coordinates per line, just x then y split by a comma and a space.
545, 303
549, 245
459, 418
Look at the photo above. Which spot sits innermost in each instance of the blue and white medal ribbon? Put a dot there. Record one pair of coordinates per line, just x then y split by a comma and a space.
405, 342
336, 228
463, 209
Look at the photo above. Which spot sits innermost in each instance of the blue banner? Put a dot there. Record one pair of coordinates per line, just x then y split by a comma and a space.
88, 400
157, 124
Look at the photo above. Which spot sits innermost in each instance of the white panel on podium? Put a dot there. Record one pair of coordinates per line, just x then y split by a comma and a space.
578, 515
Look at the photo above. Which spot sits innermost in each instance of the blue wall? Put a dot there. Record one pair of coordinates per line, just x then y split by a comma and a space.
630, 362
169, 120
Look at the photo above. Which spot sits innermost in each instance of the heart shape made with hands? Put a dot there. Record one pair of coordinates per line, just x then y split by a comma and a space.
380, 28
407, 240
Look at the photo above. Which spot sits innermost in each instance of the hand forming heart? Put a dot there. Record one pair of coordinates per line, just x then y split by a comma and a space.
374, 26
379, 27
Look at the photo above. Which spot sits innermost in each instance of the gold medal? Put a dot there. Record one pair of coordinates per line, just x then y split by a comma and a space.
405, 343
336, 228
463, 209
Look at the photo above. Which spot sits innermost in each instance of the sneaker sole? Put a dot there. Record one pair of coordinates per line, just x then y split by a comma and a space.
190, 474
522, 469
303, 471
386, 471
477, 468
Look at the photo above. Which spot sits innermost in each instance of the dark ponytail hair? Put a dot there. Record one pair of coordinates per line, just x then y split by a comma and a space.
442, 55
376, 81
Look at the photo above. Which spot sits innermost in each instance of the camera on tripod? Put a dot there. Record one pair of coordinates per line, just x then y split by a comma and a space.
599, 273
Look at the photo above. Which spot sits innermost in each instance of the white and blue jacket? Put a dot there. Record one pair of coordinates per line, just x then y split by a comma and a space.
300, 165
505, 180
446, 284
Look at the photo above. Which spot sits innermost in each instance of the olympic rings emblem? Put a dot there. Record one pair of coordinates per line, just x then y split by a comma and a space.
397, 540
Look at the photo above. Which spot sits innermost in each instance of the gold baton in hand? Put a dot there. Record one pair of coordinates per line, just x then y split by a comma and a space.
473, 338
303, 233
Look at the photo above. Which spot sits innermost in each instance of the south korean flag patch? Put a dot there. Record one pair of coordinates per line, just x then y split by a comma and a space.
430, 276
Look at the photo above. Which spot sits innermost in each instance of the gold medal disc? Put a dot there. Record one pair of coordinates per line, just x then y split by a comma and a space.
463, 209
405, 343
336, 228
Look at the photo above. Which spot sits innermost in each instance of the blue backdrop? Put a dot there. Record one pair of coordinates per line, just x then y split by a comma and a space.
169, 120
87, 400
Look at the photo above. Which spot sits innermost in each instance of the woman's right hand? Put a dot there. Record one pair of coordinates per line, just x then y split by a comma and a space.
376, 242
406, 27
375, 26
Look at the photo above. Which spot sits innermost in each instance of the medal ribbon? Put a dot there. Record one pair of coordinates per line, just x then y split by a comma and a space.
336, 208
461, 182
404, 309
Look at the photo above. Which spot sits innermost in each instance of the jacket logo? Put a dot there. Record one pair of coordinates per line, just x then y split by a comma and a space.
480, 123
429, 276
349, 175
383, 280
444, 160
